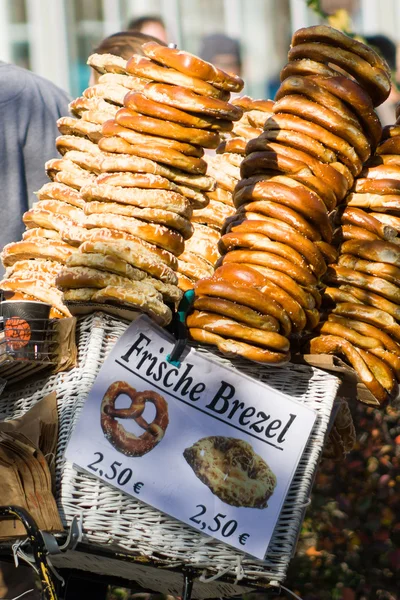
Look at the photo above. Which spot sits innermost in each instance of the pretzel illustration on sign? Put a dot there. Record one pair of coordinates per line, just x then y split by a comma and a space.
123, 441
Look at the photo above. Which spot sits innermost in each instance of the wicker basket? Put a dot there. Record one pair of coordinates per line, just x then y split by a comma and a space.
116, 521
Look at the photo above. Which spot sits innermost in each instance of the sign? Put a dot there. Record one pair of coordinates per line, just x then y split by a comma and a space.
203, 443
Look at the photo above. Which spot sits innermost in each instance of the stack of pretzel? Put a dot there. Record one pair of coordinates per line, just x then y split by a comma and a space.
364, 323
125, 188
279, 243
201, 251
152, 173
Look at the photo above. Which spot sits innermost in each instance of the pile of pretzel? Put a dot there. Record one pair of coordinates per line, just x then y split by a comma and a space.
119, 207
363, 325
224, 168
294, 175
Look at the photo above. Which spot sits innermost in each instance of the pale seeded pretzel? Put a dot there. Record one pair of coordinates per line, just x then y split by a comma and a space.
125, 442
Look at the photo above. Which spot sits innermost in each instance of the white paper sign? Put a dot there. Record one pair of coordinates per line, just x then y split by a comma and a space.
217, 450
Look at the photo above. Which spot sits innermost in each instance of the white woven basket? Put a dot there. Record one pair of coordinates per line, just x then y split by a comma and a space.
113, 519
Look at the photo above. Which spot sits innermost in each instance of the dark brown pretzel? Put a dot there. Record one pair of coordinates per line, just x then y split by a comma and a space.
125, 442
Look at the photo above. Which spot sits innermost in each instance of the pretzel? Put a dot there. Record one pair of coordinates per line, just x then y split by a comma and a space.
131, 251
249, 297
108, 263
143, 198
311, 89
304, 298
351, 93
185, 283
274, 210
379, 269
184, 99
299, 199
150, 70
125, 80
376, 250
151, 215
38, 233
135, 164
368, 330
192, 270
330, 344
193, 66
197, 197
245, 275
59, 208
377, 186
341, 330
374, 201
43, 269
372, 78
298, 140
136, 300
236, 311
161, 154
273, 261
128, 443
60, 191
231, 329
236, 144
381, 370
111, 128
390, 359
369, 314
88, 277
147, 106
351, 232
306, 66
258, 241
328, 251
107, 63
213, 214
113, 92
64, 143
341, 147
136, 180
60, 171
336, 38
40, 290
80, 105
235, 348
327, 118
259, 162
283, 233
155, 234
245, 131
329, 174
221, 195
167, 129
354, 216
48, 249
204, 243
71, 126
389, 220
372, 299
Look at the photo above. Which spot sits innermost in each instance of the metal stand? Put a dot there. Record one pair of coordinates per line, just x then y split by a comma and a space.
187, 585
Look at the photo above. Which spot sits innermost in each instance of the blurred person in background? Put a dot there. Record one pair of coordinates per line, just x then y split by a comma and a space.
29, 108
222, 51
123, 44
150, 25
386, 48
